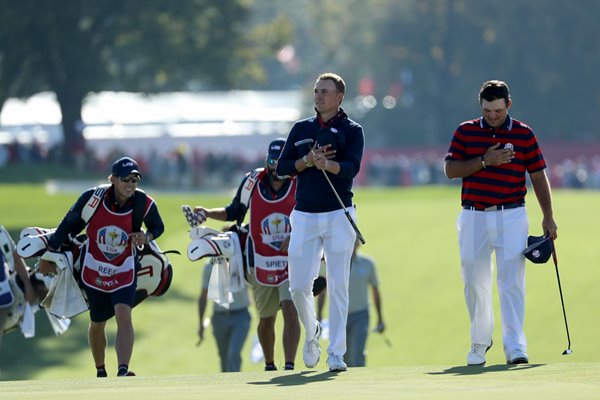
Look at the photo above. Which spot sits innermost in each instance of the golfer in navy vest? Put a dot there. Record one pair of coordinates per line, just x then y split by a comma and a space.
326, 146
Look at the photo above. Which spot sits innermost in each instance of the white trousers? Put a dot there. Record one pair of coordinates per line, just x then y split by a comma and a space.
505, 233
314, 235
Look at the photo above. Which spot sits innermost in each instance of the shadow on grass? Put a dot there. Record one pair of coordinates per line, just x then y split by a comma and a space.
300, 378
23, 359
478, 370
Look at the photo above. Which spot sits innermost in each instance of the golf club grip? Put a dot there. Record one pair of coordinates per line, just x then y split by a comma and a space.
358, 234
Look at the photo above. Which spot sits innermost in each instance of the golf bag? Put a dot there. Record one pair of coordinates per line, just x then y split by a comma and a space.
227, 257
19, 313
154, 274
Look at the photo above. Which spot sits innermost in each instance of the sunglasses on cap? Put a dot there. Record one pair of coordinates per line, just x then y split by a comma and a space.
130, 178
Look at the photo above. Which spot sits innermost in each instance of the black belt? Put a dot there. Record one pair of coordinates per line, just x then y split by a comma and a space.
499, 207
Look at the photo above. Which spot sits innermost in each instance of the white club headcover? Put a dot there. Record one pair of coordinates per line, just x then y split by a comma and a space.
213, 246
199, 232
35, 231
33, 241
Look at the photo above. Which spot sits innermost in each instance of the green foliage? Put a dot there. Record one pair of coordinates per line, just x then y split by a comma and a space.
77, 47
431, 55
436, 53
410, 233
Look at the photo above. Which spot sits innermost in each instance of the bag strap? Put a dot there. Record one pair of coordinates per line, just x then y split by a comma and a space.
92, 204
249, 185
251, 181
139, 206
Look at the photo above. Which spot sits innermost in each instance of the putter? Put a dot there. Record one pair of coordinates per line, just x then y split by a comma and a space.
385, 338
562, 302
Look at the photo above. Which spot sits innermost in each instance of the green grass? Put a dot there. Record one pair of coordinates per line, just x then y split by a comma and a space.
497, 382
41, 172
411, 233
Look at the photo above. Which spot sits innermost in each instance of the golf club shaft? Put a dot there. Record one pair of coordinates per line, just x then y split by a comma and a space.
358, 234
562, 302
337, 196
387, 341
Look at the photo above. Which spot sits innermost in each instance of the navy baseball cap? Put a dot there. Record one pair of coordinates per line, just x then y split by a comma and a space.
275, 148
539, 249
124, 167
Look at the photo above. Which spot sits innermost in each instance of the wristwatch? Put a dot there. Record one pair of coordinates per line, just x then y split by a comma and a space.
482, 162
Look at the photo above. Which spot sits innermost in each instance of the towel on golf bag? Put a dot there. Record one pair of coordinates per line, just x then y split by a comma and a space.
65, 298
218, 286
236, 265
28, 322
59, 326
225, 250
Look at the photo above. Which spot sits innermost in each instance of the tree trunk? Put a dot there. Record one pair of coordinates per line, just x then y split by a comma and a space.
73, 147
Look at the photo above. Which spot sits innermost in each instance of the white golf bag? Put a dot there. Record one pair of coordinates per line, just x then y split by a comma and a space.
227, 274
18, 312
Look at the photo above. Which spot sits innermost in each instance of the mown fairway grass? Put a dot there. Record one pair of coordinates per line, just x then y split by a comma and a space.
498, 382
411, 233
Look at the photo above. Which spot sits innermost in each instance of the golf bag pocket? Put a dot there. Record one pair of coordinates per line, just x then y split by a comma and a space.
155, 271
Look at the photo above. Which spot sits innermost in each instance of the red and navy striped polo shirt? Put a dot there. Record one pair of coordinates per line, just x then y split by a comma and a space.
500, 184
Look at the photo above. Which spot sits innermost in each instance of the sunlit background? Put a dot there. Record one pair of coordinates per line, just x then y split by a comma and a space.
180, 85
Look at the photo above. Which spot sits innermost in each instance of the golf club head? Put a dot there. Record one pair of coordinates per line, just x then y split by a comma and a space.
387, 341
567, 352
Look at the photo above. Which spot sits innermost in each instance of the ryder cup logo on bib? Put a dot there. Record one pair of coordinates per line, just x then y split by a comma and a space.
112, 241
275, 228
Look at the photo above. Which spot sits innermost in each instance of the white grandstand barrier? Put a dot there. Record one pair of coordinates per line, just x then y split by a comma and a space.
219, 121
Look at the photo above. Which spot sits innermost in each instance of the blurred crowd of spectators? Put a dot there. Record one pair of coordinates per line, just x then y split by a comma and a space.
188, 168
426, 169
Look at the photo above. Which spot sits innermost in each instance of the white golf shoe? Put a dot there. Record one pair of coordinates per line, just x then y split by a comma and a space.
477, 354
336, 363
517, 356
312, 349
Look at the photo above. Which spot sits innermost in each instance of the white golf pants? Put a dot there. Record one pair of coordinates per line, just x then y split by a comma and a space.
314, 235
479, 234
